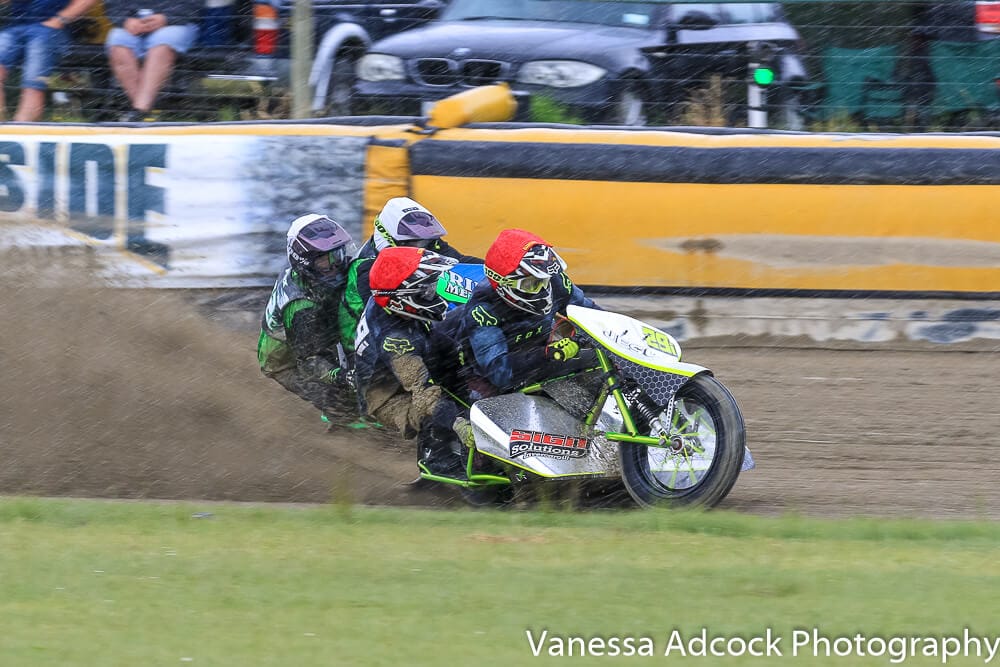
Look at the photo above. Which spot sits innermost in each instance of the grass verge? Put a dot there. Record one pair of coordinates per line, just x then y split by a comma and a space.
98, 583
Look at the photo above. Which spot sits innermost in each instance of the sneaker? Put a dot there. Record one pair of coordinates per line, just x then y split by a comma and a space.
139, 116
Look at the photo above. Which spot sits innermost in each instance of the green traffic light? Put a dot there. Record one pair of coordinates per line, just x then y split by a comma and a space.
763, 76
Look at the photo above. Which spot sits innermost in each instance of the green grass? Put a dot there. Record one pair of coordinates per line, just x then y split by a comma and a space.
97, 583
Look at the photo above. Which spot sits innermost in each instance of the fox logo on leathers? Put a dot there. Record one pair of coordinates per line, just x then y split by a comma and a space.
483, 317
398, 346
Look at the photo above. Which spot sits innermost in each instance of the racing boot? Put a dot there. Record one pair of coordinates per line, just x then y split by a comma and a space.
439, 458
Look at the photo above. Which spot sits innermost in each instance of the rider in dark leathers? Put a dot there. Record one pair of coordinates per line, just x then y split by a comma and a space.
394, 384
499, 339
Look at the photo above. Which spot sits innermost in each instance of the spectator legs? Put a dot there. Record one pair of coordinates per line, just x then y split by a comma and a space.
142, 82
125, 66
29, 108
31, 105
156, 70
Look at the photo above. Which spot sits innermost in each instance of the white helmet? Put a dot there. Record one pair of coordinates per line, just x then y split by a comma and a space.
405, 222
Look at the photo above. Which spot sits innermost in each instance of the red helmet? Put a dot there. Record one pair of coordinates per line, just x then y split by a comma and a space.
404, 281
520, 266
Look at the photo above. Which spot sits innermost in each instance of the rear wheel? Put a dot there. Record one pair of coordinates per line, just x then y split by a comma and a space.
700, 464
497, 495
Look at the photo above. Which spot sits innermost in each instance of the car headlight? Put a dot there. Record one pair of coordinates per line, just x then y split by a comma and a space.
560, 73
380, 67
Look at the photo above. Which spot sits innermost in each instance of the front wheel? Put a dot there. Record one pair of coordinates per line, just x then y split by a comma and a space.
704, 454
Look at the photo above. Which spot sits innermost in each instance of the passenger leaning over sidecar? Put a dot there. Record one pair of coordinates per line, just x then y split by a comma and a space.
298, 344
503, 331
394, 384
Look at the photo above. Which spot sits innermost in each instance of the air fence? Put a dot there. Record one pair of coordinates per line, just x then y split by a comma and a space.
706, 217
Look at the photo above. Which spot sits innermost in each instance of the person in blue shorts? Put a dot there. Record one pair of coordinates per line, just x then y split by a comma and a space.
143, 50
34, 38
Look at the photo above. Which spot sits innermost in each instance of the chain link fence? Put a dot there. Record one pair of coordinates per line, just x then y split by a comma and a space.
803, 65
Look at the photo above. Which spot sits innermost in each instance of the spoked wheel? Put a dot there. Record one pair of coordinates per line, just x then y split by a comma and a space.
705, 441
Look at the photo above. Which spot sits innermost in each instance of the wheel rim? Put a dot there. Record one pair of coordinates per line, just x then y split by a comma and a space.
692, 435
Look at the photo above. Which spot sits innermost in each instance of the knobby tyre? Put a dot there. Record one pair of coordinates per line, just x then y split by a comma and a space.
708, 440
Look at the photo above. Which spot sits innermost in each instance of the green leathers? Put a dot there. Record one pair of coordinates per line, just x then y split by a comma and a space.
300, 341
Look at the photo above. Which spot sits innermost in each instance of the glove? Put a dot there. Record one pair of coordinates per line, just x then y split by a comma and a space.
463, 429
563, 349
339, 376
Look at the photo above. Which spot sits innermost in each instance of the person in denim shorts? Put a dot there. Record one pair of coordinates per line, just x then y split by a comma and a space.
142, 52
34, 38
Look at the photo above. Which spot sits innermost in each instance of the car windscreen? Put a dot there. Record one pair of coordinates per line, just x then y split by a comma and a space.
629, 14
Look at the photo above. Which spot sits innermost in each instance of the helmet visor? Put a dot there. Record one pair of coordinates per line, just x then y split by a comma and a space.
323, 235
331, 262
418, 225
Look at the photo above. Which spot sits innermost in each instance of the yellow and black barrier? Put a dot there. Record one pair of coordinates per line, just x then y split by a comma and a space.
768, 212
711, 211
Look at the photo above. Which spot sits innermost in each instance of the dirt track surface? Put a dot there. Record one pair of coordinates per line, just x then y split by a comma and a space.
140, 395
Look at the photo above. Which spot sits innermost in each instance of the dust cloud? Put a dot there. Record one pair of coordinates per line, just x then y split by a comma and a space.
110, 392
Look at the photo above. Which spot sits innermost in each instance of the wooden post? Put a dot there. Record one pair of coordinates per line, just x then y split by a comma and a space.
302, 54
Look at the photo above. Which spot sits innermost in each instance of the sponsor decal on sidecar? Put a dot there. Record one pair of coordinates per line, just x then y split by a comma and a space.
622, 339
536, 443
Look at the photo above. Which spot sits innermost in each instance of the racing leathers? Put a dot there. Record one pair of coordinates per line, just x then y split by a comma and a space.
298, 345
358, 290
394, 385
504, 347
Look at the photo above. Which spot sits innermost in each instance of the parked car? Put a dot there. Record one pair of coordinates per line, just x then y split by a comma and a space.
610, 61
959, 20
244, 51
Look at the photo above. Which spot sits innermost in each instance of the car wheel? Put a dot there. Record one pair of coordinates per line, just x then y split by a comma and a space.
339, 89
629, 107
